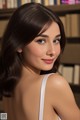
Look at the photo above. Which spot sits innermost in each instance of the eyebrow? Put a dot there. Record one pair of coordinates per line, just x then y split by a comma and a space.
43, 35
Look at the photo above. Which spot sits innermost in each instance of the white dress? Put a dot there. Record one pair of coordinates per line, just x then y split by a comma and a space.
43, 86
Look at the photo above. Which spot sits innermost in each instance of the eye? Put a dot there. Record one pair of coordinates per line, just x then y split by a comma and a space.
56, 41
41, 41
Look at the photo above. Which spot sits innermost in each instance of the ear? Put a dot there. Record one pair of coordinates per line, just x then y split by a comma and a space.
19, 50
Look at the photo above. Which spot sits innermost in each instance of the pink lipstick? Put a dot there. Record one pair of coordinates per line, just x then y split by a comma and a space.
48, 61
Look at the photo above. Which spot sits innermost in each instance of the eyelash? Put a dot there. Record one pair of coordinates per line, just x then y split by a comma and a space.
56, 41
41, 41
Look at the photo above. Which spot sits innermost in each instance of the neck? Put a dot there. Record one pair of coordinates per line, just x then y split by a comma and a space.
30, 72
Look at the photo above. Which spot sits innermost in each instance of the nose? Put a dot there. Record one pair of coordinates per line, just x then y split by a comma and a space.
51, 50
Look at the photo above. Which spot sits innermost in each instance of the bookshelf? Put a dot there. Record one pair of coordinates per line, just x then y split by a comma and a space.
6, 13
69, 58
59, 9
65, 9
71, 55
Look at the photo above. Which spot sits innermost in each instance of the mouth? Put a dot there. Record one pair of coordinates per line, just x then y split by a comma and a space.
48, 61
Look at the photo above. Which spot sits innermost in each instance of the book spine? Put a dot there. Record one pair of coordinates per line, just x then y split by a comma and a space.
68, 1
58, 2
77, 1
64, 1
55, 2
1, 4
71, 1
51, 2
68, 73
75, 23
15, 4
38, 1
18, 3
46, 2
76, 74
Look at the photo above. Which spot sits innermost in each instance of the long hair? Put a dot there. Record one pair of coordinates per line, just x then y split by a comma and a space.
24, 25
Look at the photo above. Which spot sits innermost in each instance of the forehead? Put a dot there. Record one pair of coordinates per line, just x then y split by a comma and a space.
52, 29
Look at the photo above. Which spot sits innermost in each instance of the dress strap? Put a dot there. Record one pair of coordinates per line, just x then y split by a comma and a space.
42, 96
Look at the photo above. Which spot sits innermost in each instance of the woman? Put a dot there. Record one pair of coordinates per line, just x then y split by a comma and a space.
31, 48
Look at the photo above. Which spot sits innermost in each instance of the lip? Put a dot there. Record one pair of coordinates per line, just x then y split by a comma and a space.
48, 61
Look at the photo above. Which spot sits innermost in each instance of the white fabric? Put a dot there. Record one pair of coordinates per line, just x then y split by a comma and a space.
42, 96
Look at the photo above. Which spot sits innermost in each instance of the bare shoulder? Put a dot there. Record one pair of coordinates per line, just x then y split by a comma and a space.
59, 86
57, 81
62, 98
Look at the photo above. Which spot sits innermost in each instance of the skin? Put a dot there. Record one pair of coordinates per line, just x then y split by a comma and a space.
47, 47
39, 55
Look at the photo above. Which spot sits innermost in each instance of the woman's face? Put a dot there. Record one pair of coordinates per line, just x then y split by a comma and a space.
42, 52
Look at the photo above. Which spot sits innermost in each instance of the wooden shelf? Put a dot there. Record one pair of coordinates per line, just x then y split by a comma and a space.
76, 92
59, 9
6, 13
75, 88
75, 40
65, 9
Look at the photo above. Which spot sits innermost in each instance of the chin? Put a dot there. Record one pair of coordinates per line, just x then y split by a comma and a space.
47, 68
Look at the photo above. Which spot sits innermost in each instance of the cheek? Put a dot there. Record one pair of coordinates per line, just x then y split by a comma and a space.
37, 52
58, 50
34, 51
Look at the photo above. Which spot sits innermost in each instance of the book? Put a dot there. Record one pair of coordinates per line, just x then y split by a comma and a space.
38, 1
46, 2
77, 1
68, 73
1, 4
15, 3
60, 69
76, 74
51, 2
4, 4
71, 1
71, 54
63, 19
3, 24
18, 3
58, 2
75, 25
23, 2
68, 24
68, 1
